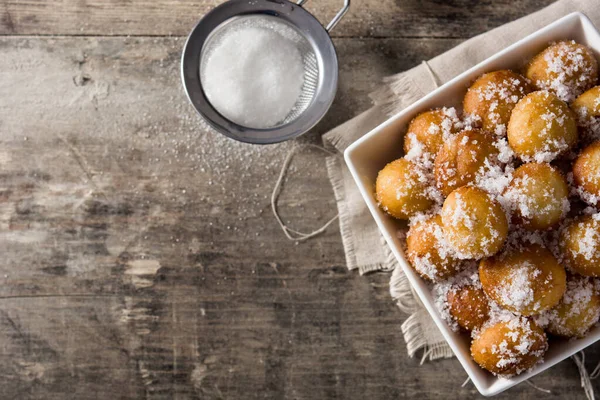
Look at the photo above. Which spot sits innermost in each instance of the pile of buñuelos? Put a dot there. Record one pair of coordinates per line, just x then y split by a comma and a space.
502, 206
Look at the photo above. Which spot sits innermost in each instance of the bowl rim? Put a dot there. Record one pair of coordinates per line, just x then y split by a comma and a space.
466, 362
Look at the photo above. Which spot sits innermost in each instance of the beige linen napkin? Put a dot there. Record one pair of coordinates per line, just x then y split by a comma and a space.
365, 249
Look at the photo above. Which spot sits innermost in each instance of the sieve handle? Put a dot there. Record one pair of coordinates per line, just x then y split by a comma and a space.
337, 17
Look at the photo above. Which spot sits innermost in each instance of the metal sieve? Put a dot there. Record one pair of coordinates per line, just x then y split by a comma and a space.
289, 20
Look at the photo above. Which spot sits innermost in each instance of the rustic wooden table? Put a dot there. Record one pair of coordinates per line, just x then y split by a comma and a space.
139, 255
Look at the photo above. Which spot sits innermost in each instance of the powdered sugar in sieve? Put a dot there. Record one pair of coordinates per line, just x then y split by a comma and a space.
258, 71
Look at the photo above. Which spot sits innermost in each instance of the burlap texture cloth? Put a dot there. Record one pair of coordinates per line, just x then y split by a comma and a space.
364, 246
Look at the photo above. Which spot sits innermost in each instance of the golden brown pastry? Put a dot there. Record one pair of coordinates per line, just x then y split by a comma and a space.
587, 109
539, 195
509, 158
586, 172
492, 98
526, 280
468, 306
428, 252
462, 158
541, 127
474, 224
430, 129
510, 346
580, 245
578, 310
400, 189
566, 69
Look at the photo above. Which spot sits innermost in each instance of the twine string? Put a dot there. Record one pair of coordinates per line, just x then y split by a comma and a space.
586, 383
596, 372
536, 387
290, 233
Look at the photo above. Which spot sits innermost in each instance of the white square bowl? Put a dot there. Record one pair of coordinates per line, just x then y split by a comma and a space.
372, 152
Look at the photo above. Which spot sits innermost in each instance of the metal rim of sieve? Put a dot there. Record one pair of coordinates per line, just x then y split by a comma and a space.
306, 25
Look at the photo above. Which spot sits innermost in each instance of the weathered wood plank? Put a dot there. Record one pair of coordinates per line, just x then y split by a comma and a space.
378, 18
100, 139
66, 347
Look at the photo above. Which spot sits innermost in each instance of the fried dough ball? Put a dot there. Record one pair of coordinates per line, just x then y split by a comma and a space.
492, 98
400, 189
586, 173
588, 103
526, 280
587, 109
541, 127
580, 245
578, 310
430, 129
474, 223
462, 157
566, 69
539, 196
428, 252
468, 306
510, 346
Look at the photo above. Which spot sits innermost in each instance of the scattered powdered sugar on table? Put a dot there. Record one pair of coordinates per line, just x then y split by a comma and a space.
196, 143
253, 76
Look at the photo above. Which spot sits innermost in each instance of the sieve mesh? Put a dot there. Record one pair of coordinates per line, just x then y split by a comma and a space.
288, 31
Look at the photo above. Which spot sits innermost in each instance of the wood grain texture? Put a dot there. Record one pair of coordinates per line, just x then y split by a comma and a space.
374, 18
140, 259
139, 255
